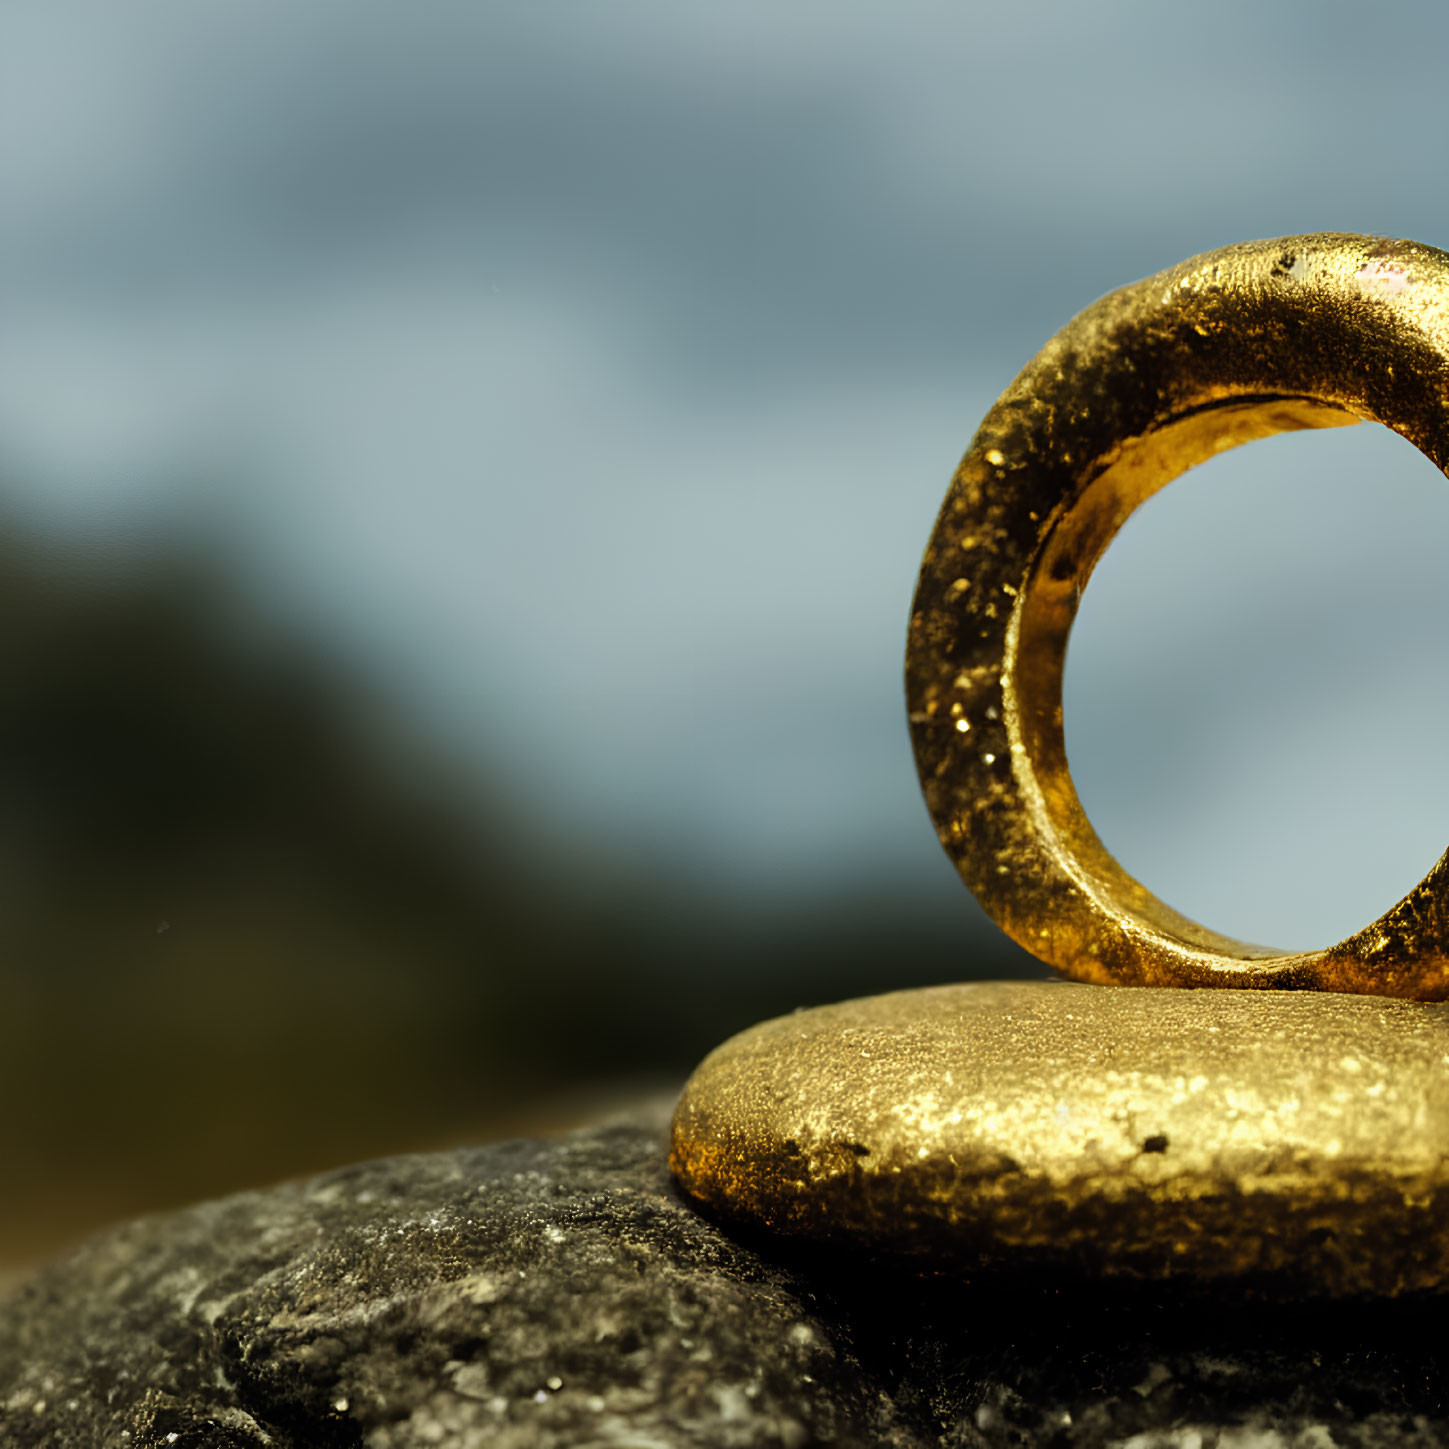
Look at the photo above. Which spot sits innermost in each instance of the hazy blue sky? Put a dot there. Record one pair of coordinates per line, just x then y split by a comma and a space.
590, 375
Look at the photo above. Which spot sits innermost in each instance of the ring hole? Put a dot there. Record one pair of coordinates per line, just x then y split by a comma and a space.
1256, 699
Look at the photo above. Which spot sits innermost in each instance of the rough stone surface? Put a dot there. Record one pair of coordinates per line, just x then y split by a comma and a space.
560, 1293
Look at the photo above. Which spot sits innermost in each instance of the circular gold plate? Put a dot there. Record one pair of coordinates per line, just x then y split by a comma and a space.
1296, 1138
1303, 332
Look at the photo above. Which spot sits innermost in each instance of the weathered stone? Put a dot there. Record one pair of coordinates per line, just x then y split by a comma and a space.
524, 1294
559, 1294
1292, 1141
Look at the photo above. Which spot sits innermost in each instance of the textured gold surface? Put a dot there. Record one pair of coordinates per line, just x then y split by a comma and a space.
1292, 1138
1311, 331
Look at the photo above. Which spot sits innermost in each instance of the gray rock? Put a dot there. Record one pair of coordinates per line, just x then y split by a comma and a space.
559, 1293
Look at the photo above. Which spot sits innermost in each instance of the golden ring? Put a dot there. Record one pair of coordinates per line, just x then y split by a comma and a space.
1255, 339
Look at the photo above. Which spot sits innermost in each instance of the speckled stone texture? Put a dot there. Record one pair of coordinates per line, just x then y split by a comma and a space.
559, 1293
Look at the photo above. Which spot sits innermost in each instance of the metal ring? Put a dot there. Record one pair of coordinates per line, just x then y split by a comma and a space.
1256, 339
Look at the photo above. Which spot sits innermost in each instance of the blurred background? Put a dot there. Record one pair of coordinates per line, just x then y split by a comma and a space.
463, 470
